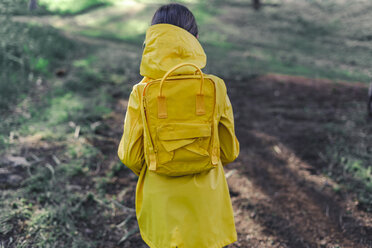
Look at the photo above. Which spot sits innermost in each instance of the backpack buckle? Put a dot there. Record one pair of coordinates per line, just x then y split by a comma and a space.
162, 108
200, 107
152, 157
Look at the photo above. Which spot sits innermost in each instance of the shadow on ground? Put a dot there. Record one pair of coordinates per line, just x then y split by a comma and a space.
280, 196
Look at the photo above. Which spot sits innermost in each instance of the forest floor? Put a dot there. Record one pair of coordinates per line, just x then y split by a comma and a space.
300, 179
280, 196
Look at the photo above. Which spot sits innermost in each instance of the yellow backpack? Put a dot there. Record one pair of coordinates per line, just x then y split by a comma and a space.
181, 133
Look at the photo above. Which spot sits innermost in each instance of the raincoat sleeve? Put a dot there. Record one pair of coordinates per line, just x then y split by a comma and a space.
130, 149
228, 142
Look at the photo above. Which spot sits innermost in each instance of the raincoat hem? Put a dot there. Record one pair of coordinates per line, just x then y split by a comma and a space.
221, 244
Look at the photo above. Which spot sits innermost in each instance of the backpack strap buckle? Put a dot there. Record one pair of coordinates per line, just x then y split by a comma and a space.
152, 157
215, 156
162, 107
200, 107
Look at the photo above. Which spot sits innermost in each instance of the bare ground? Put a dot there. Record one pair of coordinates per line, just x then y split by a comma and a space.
280, 197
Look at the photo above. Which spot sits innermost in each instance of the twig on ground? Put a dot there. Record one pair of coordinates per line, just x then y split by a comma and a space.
230, 173
29, 171
128, 234
36, 158
56, 160
77, 132
105, 138
125, 222
50, 167
123, 207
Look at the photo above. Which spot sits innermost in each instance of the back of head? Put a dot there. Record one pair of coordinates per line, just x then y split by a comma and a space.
178, 15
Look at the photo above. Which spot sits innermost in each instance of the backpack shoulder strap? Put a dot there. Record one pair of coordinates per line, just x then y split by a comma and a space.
149, 147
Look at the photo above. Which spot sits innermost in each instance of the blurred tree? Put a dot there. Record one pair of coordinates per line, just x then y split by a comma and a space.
32, 4
370, 100
256, 4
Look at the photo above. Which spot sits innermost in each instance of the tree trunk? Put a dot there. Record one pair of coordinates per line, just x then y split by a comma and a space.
369, 104
32, 4
256, 4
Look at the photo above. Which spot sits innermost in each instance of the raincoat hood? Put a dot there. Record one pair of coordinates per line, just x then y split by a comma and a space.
168, 45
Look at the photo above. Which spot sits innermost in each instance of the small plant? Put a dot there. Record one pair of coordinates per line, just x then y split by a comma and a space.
39, 65
72, 170
102, 185
116, 168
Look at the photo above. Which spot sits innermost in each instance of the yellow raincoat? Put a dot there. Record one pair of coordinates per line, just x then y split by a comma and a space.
191, 211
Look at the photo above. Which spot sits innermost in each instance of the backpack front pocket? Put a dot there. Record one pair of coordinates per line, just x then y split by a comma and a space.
183, 144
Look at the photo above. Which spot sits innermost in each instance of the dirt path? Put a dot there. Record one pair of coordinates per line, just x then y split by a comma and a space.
280, 197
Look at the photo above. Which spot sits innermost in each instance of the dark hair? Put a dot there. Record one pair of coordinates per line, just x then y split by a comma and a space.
178, 15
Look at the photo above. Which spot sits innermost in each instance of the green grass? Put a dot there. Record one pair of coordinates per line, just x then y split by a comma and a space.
71, 6
61, 204
298, 38
349, 159
308, 38
19, 7
26, 53
57, 204
28, 56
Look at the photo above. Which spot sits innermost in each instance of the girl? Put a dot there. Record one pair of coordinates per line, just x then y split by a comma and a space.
192, 211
